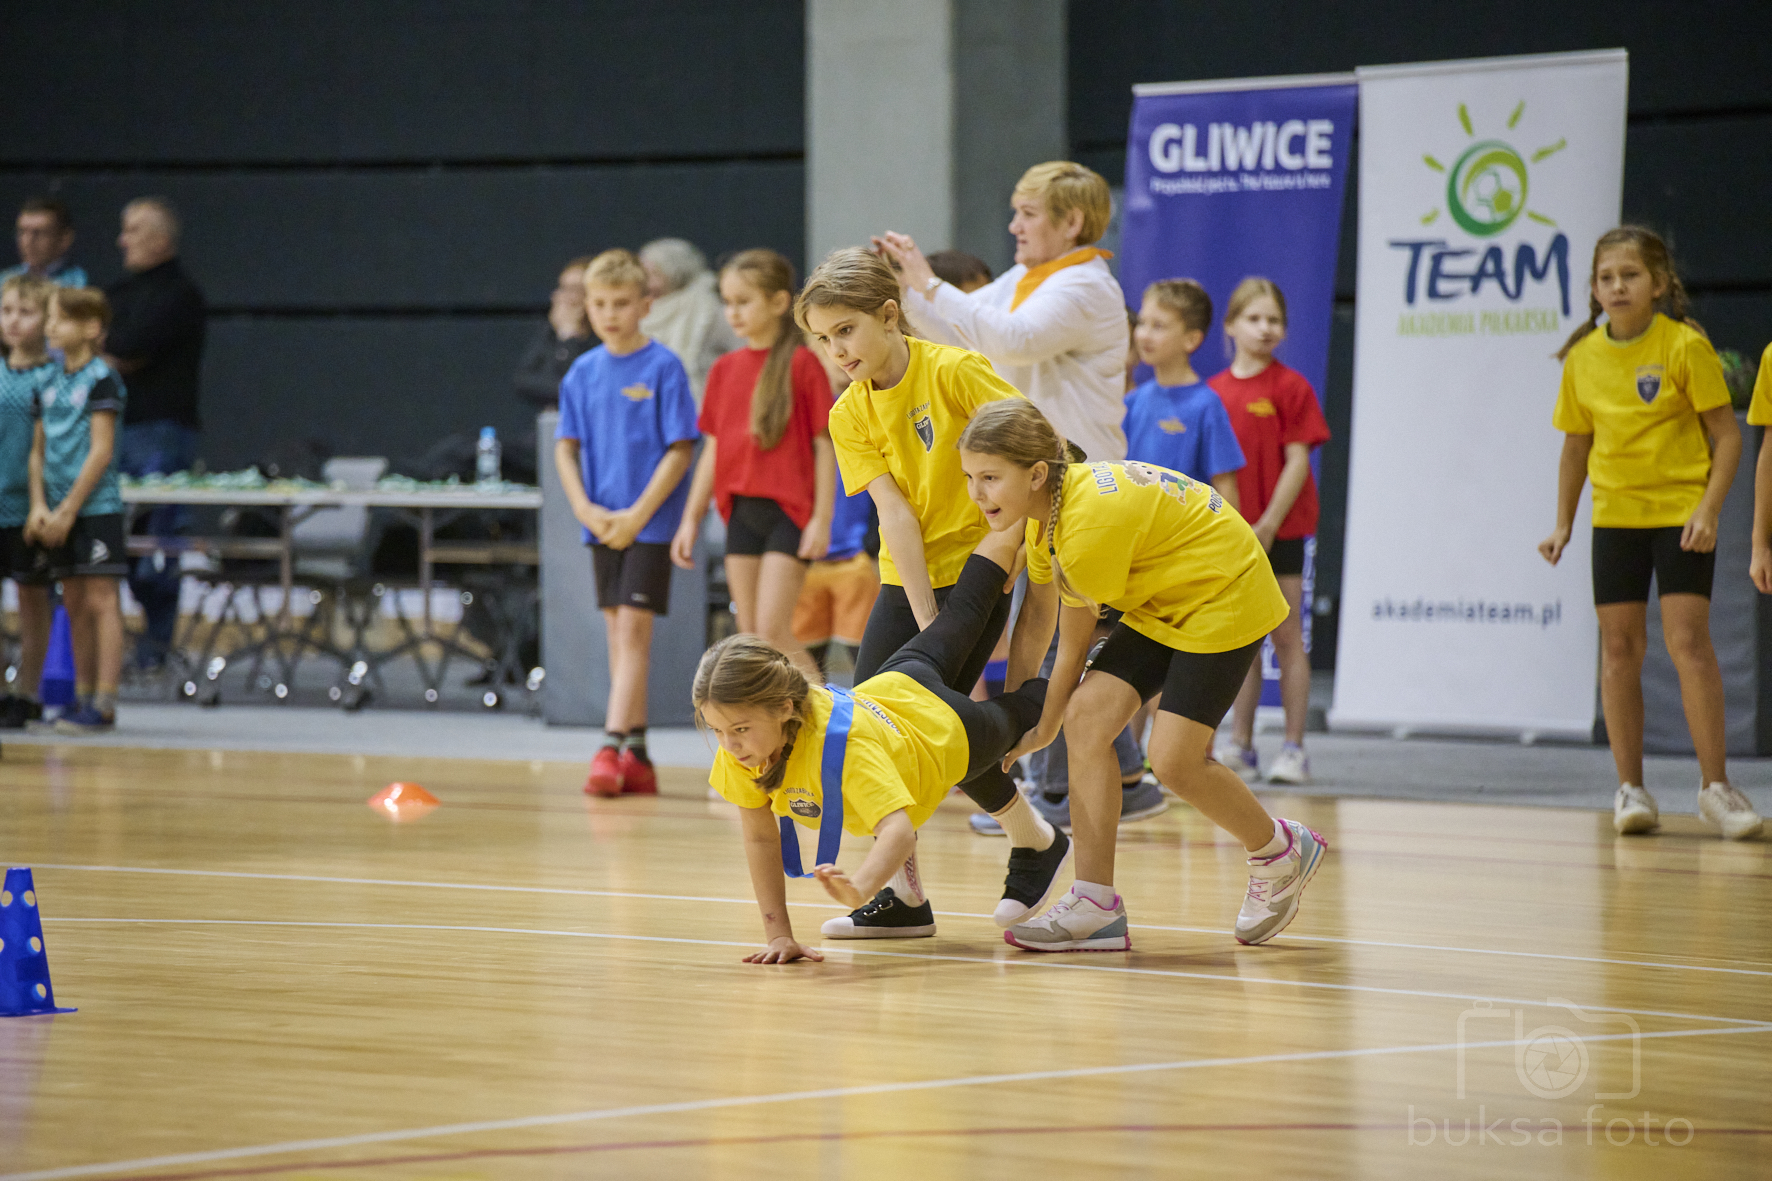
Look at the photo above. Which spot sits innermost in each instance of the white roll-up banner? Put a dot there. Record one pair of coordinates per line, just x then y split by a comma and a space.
1483, 186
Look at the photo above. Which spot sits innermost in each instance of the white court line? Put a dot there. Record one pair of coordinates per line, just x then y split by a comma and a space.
295, 877
1034, 961
731, 1101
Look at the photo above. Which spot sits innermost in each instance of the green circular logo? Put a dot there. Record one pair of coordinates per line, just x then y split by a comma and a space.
1486, 190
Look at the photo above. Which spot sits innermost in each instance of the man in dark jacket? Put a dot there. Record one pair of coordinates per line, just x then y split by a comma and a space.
156, 343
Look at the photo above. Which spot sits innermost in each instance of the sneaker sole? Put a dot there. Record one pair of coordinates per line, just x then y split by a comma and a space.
1156, 809
1734, 832
1635, 822
1310, 871
1299, 781
878, 932
605, 788
1116, 943
985, 826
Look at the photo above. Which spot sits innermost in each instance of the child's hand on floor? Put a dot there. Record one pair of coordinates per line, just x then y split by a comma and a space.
783, 950
836, 883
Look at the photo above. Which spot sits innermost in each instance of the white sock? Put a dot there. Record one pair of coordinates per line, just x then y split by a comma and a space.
907, 883
1102, 896
1275, 846
1026, 828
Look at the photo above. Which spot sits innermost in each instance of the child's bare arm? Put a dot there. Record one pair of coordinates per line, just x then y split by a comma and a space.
592, 516
815, 539
1226, 484
903, 536
39, 512
102, 445
1076, 628
701, 490
1032, 635
1286, 490
894, 842
762, 852
627, 523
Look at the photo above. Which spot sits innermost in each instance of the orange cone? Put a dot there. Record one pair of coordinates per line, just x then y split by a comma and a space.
403, 801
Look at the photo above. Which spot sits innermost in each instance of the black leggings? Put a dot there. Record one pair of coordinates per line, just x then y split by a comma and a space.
945, 659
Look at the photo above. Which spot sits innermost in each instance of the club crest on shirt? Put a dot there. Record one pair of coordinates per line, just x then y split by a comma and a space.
1261, 408
807, 808
636, 393
1172, 426
926, 432
1648, 382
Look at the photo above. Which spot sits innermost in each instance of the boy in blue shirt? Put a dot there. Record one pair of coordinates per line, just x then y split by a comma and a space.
624, 443
1176, 420
76, 513
24, 307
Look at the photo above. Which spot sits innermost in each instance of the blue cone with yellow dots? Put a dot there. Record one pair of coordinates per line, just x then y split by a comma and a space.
24, 965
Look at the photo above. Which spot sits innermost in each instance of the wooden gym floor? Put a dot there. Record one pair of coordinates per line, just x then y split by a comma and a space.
273, 980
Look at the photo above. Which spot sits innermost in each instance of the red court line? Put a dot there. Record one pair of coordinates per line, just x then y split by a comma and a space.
804, 1138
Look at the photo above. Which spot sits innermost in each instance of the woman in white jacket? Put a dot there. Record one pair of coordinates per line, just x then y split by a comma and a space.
1054, 324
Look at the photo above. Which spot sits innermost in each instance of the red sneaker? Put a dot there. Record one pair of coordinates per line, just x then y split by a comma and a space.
637, 776
605, 779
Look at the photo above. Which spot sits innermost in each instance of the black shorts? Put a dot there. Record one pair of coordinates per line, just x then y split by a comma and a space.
639, 576
1201, 686
1287, 556
93, 548
760, 526
1625, 558
21, 561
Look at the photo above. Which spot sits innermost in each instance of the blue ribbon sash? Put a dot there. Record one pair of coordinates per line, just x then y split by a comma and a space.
830, 823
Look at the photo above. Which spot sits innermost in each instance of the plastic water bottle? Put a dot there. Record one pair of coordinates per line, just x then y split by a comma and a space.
486, 457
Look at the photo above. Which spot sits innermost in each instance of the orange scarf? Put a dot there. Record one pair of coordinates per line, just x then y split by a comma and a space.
1030, 282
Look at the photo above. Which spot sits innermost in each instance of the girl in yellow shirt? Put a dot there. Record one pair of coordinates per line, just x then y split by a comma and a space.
878, 759
1646, 416
1197, 595
894, 430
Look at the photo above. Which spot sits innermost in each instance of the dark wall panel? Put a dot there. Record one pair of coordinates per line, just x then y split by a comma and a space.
473, 238
219, 82
1706, 186
1683, 57
391, 386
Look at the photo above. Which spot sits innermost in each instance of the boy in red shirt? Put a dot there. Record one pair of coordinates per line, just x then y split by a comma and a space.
1277, 420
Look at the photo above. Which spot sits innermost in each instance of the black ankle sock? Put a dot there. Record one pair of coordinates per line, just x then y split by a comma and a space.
635, 740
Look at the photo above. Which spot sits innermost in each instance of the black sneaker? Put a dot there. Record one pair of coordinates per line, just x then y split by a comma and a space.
1032, 875
887, 917
17, 712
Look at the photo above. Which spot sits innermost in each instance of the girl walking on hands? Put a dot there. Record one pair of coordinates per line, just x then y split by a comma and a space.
1646, 415
1197, 595
878, 759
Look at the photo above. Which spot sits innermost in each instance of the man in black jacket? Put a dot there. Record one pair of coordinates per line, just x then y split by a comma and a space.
156, 343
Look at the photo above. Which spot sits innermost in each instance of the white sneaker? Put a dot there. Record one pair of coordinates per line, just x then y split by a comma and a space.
1726, 808
1075, 922
1634, 810
1241, 759
1277, 884
1291, 767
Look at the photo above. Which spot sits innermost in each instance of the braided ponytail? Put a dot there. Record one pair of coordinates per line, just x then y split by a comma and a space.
1674, 303
747, 672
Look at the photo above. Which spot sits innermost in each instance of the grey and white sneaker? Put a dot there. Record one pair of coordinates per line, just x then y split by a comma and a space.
1634, 810
1074, 923
886, 917
1241, 759
1290, 767
1722, 806
1141, 800
1277, 883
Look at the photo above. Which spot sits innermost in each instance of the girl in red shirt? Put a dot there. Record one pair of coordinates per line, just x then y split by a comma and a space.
766, 460
1278, 422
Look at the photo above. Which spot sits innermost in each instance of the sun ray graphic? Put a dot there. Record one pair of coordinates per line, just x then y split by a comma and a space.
1486, 186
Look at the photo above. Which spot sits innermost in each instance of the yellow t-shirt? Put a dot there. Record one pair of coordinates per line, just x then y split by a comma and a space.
1640, 400
1759, 411
911, 432
1167, 550
906, 749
